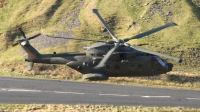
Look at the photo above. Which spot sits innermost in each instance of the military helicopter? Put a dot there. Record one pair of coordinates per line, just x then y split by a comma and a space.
104, 59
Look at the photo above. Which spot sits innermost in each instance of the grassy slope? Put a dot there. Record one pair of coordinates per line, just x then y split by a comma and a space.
47, 14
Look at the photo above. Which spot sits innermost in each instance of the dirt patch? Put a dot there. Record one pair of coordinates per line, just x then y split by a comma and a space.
45, 41
2, 3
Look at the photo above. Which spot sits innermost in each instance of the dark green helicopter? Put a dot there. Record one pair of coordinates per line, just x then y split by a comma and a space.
105, 59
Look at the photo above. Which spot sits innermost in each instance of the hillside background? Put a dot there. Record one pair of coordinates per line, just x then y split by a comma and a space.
74, 18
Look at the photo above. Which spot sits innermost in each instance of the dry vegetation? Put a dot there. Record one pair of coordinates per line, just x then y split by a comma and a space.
88, 108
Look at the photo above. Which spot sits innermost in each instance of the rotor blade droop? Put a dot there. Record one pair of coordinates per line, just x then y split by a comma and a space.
158, 54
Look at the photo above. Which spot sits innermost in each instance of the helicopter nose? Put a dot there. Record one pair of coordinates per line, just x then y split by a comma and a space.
170, 66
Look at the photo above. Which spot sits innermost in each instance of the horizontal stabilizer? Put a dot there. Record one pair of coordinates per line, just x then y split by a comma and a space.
30, 66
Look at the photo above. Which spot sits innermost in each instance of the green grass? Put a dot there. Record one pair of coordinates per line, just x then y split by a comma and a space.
41, 15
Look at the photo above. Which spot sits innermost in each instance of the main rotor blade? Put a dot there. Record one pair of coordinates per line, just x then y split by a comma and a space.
151, 31
19, 28
105, 25
106, 57
77, 39
158, 54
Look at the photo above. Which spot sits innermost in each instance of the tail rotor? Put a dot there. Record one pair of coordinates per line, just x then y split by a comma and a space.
31, 51
24, 36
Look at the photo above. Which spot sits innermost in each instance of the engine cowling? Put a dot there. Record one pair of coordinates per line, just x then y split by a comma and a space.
95, 76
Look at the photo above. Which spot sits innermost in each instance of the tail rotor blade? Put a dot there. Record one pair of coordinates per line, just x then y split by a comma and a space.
14, 44
34, 36
20, 29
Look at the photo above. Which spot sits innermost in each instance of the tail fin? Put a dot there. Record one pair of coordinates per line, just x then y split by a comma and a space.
33, 54
31, 51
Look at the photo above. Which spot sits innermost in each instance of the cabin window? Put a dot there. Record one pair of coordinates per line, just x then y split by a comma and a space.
108, 67
117, 67
132, 67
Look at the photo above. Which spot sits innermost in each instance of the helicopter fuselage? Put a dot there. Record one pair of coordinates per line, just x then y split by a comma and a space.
125, 61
